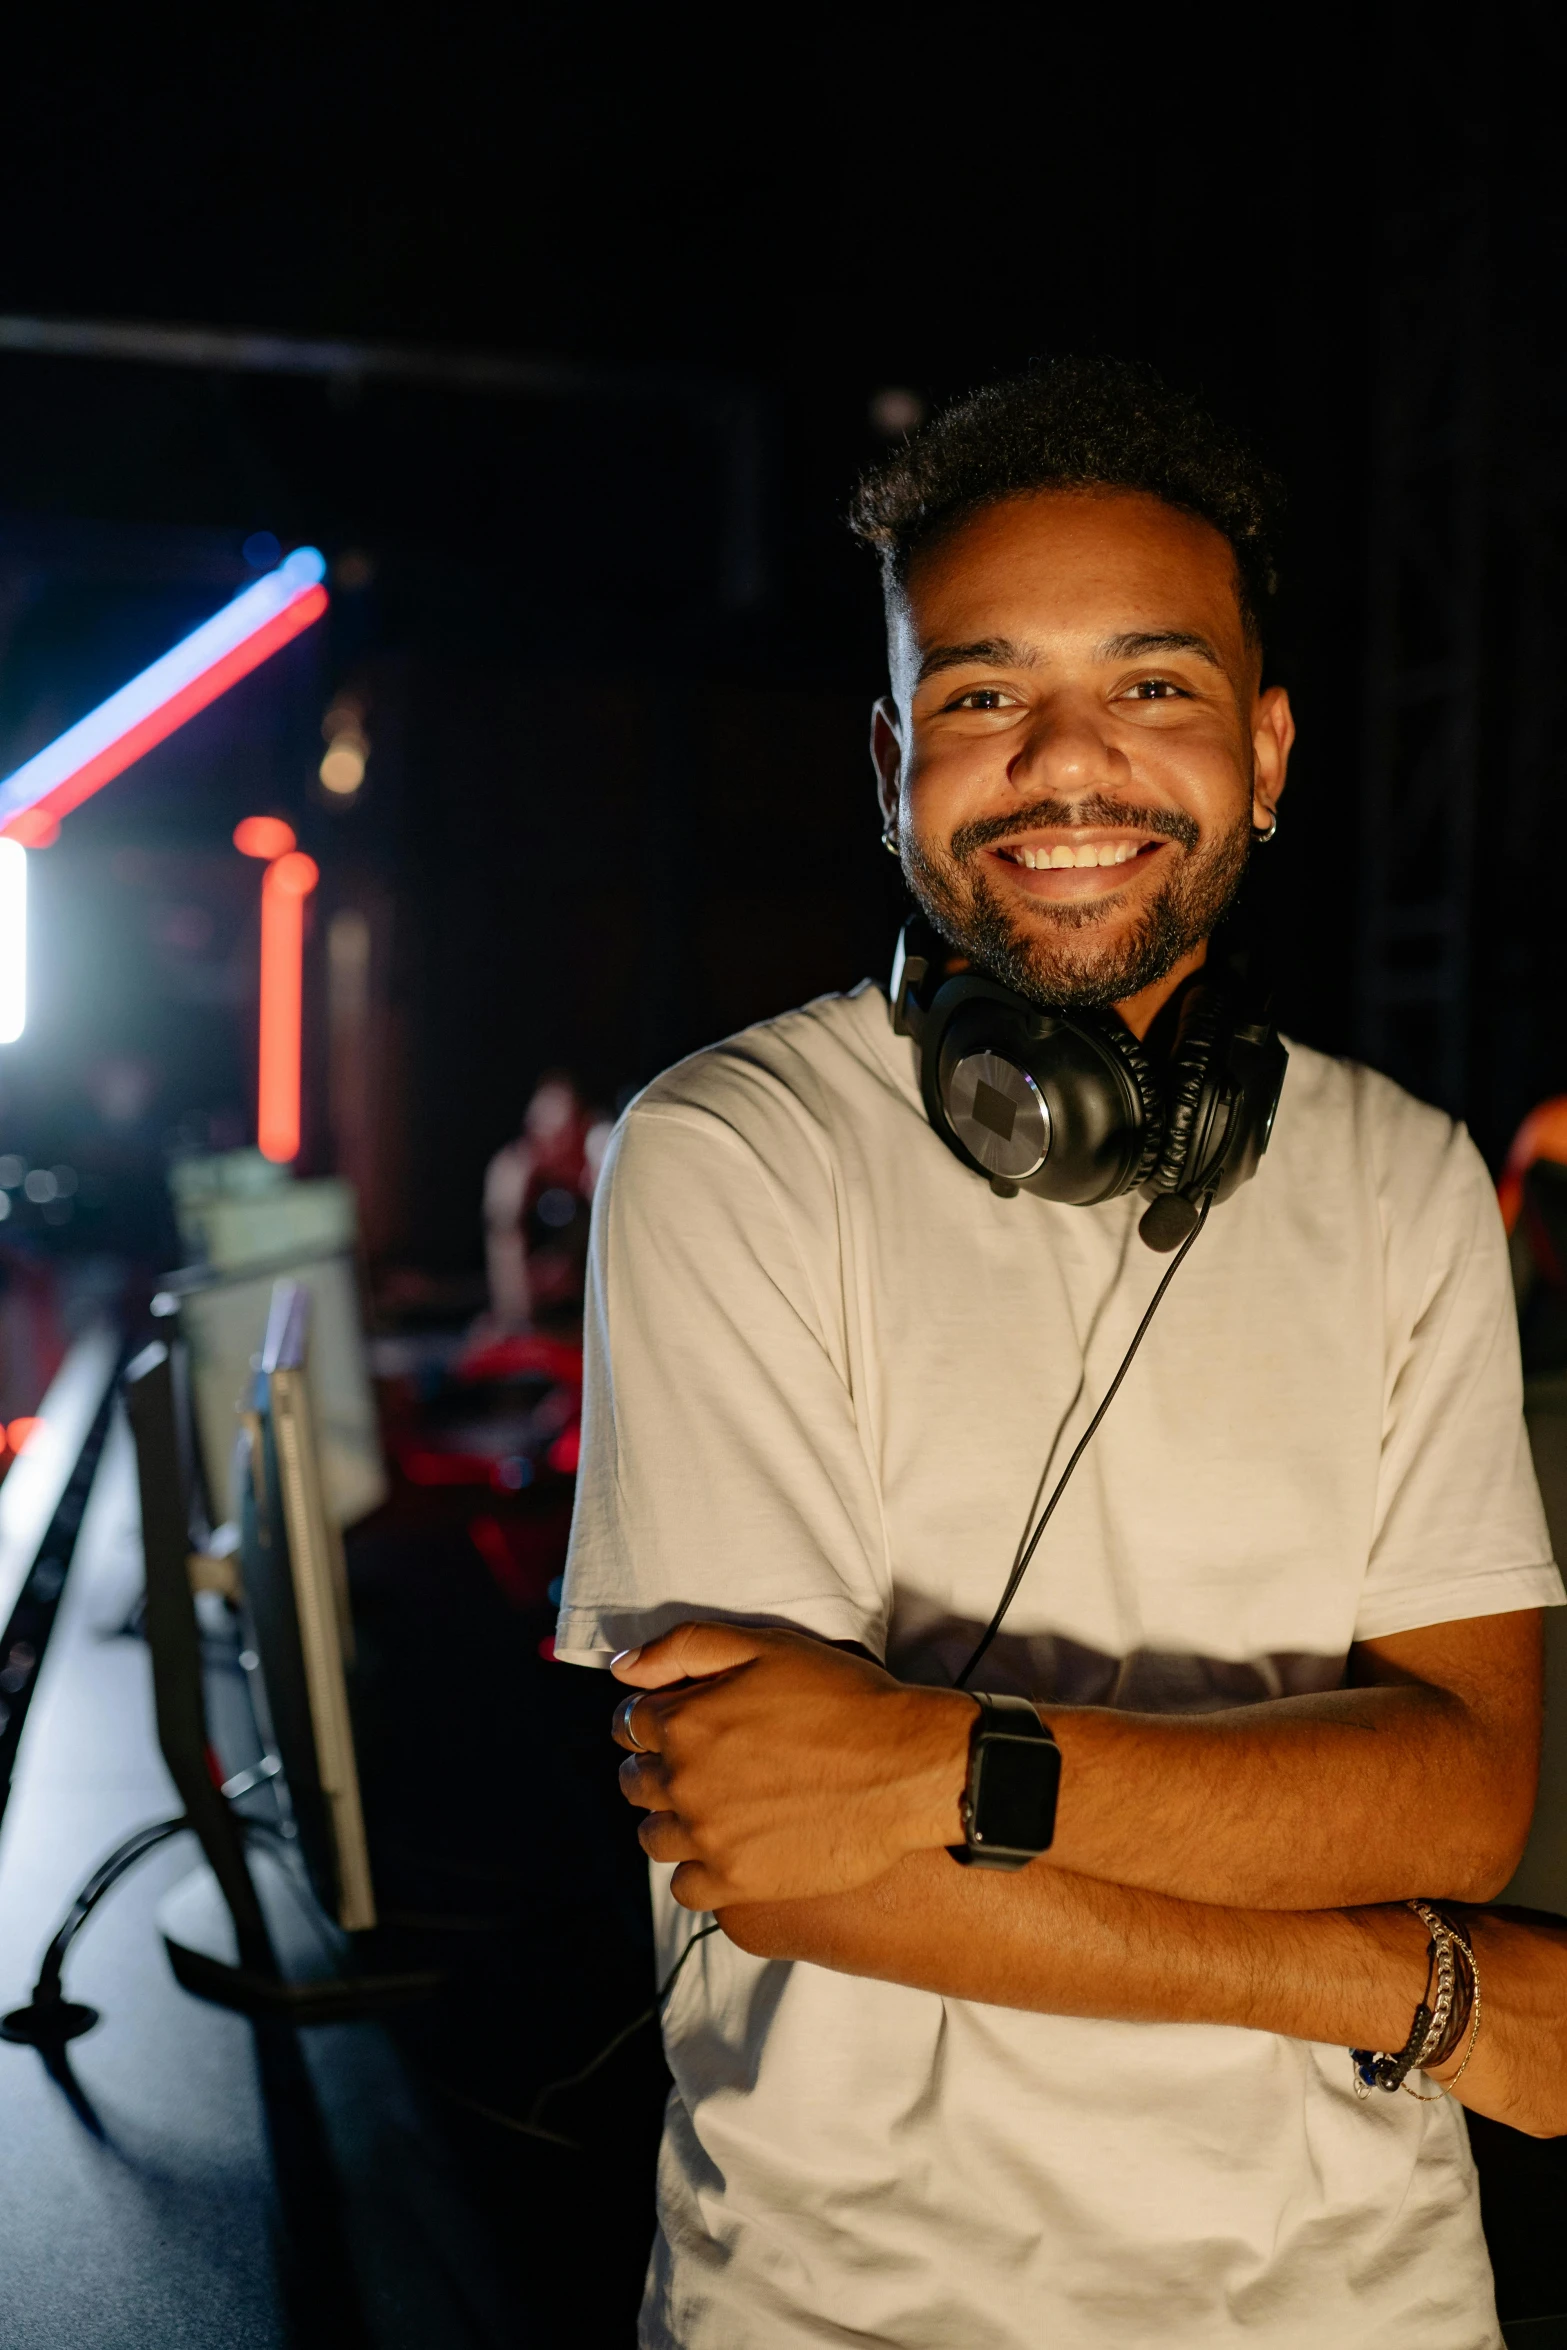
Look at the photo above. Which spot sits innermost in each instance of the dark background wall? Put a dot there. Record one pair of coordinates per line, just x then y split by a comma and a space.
614, 647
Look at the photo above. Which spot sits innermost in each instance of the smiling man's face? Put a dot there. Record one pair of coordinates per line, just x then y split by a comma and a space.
1075, 751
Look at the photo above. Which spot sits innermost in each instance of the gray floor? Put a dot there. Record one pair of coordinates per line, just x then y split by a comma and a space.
167, 2229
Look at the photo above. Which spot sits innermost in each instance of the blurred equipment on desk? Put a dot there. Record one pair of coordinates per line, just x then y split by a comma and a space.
294, 1586
247, 1223
278, 1918
348, 1723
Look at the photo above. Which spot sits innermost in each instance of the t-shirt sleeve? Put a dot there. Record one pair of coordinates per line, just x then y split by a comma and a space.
722, 1472
1459, 1527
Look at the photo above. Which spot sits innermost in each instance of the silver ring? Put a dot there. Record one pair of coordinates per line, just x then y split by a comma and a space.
632, 1703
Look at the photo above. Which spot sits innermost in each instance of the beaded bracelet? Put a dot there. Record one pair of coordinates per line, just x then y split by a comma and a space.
1465, 2028
1446, 2005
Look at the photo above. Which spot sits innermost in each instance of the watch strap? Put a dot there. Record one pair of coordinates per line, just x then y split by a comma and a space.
1011, 1717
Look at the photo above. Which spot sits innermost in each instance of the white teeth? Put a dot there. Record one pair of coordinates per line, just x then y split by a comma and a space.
1092, 853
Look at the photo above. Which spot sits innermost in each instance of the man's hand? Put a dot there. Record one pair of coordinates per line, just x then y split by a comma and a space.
774, 1767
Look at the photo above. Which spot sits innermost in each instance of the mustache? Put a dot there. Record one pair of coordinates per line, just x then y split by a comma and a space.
1167, 823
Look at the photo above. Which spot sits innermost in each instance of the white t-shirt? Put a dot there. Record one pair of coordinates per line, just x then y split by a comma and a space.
829, 1375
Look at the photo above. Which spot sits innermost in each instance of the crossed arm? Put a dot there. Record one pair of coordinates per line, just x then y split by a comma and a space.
1242, 1868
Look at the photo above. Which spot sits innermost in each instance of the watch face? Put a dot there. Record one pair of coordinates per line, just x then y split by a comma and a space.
1014, 1801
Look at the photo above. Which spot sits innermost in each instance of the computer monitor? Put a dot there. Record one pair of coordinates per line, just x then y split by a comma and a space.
296, 1599
155, 1402
222, 1315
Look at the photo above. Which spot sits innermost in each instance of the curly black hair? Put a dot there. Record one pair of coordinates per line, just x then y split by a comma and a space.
1074, 423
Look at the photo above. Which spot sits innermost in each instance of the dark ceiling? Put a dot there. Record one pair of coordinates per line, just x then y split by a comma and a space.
772, 217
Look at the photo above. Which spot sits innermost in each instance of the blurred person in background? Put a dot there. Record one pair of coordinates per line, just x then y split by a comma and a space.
538, 1192
1275, 1675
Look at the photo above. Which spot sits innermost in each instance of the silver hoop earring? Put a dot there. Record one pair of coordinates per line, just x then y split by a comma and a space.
889, 839
1262, 838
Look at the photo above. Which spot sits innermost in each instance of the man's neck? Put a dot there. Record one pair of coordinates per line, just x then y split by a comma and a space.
1140, 1011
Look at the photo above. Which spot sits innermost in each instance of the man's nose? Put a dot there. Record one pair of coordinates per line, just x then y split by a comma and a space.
1068, 748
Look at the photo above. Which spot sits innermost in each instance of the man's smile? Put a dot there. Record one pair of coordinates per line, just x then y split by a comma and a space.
1082, 861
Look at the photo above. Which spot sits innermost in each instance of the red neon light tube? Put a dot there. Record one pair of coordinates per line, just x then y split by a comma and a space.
285, 885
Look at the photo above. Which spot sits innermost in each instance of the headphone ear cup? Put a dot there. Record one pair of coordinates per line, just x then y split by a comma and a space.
1120, 1041
1191, 1089
1064, 1104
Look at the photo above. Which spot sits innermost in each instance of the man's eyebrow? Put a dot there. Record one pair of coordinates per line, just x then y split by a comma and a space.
995, 651
1000, 652
1140, 642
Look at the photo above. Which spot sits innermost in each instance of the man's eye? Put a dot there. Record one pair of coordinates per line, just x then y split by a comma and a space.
1153, 689
982, 697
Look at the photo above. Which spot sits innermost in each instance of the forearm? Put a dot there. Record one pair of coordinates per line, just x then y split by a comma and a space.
775, 1767
1355, 1797
1060, 1944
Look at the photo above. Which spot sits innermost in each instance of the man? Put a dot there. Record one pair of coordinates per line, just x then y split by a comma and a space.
1284, 1627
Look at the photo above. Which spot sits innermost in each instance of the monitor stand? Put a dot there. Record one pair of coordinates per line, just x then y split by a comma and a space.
320, 1976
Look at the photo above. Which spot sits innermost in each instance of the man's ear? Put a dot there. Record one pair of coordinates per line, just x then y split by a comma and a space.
887, 756
1272, 737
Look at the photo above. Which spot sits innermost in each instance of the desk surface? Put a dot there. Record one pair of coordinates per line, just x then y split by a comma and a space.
34, 1484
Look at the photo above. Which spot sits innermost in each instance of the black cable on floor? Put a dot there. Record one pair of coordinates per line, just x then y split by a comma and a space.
49, 2016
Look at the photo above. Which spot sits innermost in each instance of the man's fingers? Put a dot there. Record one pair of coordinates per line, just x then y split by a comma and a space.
695, 1887
635, 1725
642, 1782
664, 1836
691, 1652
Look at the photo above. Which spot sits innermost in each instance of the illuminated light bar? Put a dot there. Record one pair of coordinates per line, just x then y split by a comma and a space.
264, 836
285, 885
13, 940
35, 828
259, 621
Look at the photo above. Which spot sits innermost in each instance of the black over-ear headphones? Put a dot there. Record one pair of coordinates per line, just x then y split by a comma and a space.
1066, 1104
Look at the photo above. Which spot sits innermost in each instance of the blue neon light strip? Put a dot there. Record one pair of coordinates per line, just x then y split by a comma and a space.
250, 610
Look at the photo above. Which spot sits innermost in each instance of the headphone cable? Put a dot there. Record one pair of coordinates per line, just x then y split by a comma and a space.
1083, 1442
534, 2126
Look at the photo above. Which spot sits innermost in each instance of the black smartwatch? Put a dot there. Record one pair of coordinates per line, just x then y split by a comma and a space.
1014, 1776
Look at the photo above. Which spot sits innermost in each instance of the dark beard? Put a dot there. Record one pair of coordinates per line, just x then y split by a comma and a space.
1054, 955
